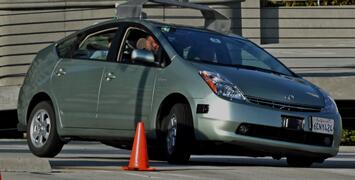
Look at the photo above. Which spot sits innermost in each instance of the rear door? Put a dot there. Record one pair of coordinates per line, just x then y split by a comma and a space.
77, 77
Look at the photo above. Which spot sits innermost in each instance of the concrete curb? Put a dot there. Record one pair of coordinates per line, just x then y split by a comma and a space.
20, 164
348, 149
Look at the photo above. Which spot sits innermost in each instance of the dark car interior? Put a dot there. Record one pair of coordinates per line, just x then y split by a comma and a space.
95, 46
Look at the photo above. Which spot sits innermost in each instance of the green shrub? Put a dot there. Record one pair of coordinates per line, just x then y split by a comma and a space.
348, 137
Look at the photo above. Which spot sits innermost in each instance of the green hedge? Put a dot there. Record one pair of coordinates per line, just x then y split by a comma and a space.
348, 137
277, 3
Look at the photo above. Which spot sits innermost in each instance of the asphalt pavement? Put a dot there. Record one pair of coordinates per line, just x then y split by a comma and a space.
92, 160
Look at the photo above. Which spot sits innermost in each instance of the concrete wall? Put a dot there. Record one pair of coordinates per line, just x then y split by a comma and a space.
307, 24
316, 42
27, 26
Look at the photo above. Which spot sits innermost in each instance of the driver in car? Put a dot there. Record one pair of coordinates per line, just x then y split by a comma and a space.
149, 44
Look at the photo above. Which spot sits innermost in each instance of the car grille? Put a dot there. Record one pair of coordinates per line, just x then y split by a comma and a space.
282, 106
288, 135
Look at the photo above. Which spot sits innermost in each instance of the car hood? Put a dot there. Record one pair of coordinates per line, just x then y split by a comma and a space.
269, 86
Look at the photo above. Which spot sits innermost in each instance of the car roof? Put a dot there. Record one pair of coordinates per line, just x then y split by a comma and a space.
147, 23
153, 23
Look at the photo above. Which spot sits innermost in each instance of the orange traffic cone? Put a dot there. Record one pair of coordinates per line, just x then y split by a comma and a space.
139, 155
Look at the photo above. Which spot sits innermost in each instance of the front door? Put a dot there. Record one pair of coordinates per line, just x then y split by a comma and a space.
126, 96
127, 88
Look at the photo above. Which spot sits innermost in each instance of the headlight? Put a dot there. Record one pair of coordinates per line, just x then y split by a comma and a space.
330, 105
221, 86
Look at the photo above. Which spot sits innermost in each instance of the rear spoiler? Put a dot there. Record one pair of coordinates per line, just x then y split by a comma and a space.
213, 19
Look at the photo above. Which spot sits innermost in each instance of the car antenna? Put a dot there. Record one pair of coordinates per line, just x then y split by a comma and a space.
213, 19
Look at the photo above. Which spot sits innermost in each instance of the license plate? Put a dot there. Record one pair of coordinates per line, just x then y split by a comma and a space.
322, 125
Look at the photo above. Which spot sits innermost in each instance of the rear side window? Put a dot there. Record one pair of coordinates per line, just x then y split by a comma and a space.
92, 46
66, 48
95, 46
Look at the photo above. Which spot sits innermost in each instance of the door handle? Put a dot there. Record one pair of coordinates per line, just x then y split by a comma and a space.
60, 72
109, 76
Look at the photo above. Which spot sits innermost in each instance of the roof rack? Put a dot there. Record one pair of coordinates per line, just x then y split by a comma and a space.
213, 19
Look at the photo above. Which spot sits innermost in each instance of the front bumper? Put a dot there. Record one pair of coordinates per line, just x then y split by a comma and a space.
224, 117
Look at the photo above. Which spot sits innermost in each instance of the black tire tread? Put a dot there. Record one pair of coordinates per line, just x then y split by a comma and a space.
184, 140
54, 144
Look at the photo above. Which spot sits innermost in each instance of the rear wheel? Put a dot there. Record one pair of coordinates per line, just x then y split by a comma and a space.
42, 136
178, 134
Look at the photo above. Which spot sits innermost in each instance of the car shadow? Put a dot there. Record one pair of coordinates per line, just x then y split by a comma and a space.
199, 163
266, 162
115, 157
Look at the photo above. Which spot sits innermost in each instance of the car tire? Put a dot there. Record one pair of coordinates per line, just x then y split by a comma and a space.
156, 153
42, 137
299, 162
178, 134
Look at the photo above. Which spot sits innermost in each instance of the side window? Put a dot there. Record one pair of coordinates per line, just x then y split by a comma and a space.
139, 39
130, 43
96, 45
65, 48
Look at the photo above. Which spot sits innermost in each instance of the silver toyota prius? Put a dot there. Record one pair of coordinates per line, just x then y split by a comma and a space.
197, 91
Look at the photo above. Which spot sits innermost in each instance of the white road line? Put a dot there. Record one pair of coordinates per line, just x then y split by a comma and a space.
346, 172
180, 175
142, 175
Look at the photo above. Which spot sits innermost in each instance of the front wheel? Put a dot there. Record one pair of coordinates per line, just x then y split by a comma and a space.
179, 134
42, 137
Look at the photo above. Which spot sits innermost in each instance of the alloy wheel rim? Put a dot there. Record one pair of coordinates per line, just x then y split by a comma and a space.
40, 128
171, 134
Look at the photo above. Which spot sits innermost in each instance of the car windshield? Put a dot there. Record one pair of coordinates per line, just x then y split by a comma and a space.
213, 48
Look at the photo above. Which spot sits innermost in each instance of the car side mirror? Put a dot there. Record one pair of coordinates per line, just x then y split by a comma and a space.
143, 56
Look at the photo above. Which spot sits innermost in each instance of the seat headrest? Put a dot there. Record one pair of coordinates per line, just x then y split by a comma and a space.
141, 43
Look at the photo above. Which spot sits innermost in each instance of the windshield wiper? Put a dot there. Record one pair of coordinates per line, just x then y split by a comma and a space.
241, 66
206, 61
256, 69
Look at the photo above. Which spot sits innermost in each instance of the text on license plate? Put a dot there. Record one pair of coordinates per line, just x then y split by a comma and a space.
322, 125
